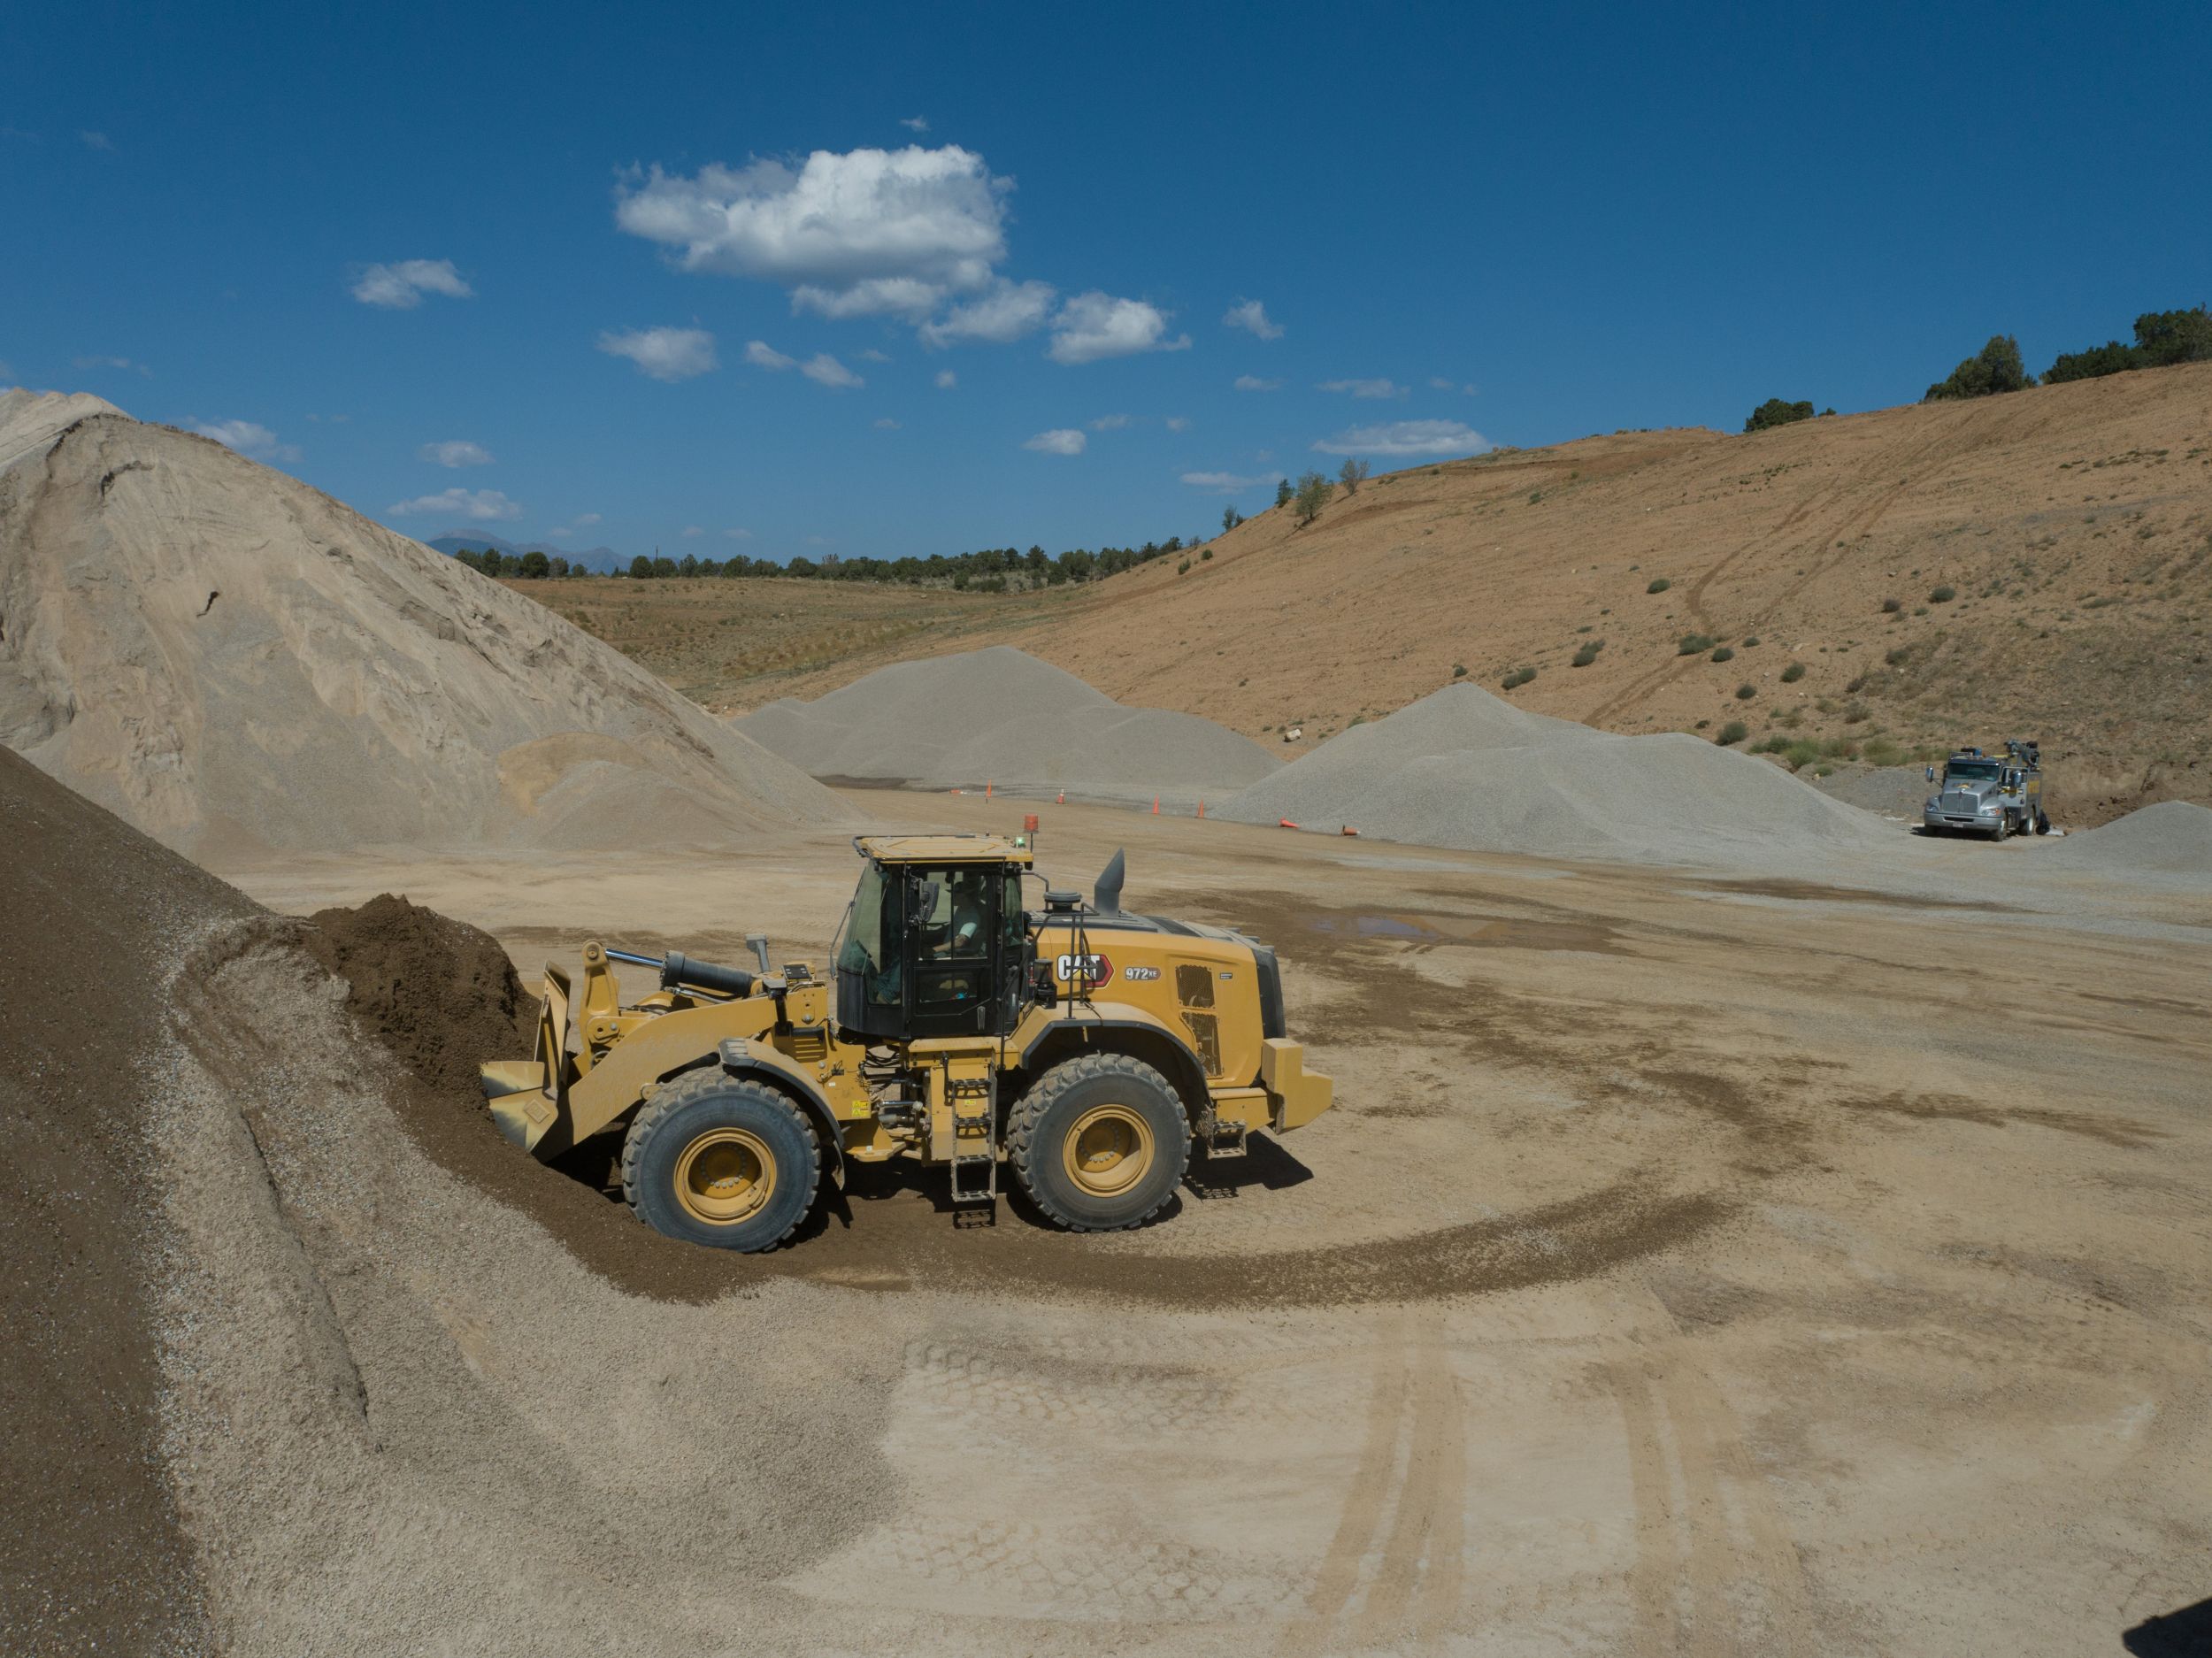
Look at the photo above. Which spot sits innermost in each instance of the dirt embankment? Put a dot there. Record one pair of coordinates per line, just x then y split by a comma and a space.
2036, 565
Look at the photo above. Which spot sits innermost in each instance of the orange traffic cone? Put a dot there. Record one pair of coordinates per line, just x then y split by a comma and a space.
1201, 809
1155, 805
1063, 800
986, 788
1350, 830
1288, 824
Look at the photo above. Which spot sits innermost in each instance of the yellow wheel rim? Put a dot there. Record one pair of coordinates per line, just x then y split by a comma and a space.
1107, 1150
725, 1177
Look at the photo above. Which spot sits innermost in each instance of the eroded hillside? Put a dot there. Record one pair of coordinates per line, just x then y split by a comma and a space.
2038, 564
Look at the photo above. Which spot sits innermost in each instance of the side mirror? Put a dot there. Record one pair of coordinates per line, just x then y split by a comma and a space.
1931, 774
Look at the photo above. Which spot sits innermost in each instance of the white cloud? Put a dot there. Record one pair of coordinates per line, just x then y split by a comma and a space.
458, 503
692, 531
871, 356
907, 296
1094, 325
1060, 441
1009, 311
1178, 423
1405, 437
1251, 316
867, 231
667, 354
1437, 382
1110, 423
585, 519
947, 379
915, 124
247, 439
401, 287
96, 141
738, 535
887, 425
456, 452
1364, 388
1253, 382
824, 370
122, 362
1223, 483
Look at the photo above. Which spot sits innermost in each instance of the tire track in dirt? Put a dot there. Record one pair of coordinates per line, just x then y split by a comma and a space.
1715, 1572
1339, 1574
1413, 1591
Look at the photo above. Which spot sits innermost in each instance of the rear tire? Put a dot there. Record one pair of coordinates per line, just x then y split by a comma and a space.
2042, 825
1100, 1143
713, 1160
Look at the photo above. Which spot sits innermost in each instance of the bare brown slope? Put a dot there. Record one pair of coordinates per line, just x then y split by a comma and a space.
2072, 523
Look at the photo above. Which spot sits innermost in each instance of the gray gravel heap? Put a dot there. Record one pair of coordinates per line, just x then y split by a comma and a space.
1002, 718
1462, 768
2173, 837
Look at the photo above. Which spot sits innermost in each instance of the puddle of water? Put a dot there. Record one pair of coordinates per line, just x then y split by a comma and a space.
1374, 926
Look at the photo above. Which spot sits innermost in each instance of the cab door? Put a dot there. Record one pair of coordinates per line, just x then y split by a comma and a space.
956, 954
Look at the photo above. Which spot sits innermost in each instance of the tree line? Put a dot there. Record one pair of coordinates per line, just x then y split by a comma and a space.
989, 569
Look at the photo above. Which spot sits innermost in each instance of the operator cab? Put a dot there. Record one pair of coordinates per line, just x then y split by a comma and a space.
935, 942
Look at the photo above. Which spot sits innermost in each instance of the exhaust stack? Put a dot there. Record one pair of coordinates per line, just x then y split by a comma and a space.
1106, 898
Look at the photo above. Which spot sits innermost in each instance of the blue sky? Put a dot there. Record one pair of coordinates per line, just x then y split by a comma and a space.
404, 251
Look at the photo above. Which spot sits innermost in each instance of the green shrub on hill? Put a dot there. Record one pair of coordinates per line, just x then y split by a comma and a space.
1996, 368
1775, 412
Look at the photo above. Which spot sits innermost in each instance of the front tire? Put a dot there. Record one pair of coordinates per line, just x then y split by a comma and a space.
713, 1160
1100, 1143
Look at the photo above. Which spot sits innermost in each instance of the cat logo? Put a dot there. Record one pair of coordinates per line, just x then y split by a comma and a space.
1097, 969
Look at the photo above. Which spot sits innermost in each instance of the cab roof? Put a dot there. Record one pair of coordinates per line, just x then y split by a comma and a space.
941, 849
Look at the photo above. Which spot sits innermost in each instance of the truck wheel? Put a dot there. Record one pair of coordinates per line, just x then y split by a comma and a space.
2042, 825
714, 1161
1100, 1143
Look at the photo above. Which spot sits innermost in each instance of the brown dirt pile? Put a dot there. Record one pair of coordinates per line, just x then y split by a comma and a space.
440, 993
92, 1554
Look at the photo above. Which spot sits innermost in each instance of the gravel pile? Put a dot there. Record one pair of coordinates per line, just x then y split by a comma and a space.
2171, 838
1003, 717
1462, 768
230, 660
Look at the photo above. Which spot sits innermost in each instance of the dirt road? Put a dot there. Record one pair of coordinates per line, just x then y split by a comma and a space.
1687, 1266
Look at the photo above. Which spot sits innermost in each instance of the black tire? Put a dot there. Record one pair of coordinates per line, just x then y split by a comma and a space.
1120, 1105
700, 1152
2042, 825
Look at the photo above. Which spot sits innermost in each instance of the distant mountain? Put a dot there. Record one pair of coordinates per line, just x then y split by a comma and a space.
599, 558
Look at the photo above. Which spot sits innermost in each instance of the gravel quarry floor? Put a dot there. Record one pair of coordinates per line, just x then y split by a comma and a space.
1691, 1264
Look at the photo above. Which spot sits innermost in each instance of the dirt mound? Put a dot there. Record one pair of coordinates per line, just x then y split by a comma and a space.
1001, 716
92, 1556
2171, 838
230, 659
440, 993
1462, 768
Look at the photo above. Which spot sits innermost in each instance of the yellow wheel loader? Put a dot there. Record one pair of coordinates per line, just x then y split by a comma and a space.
1088, 1050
